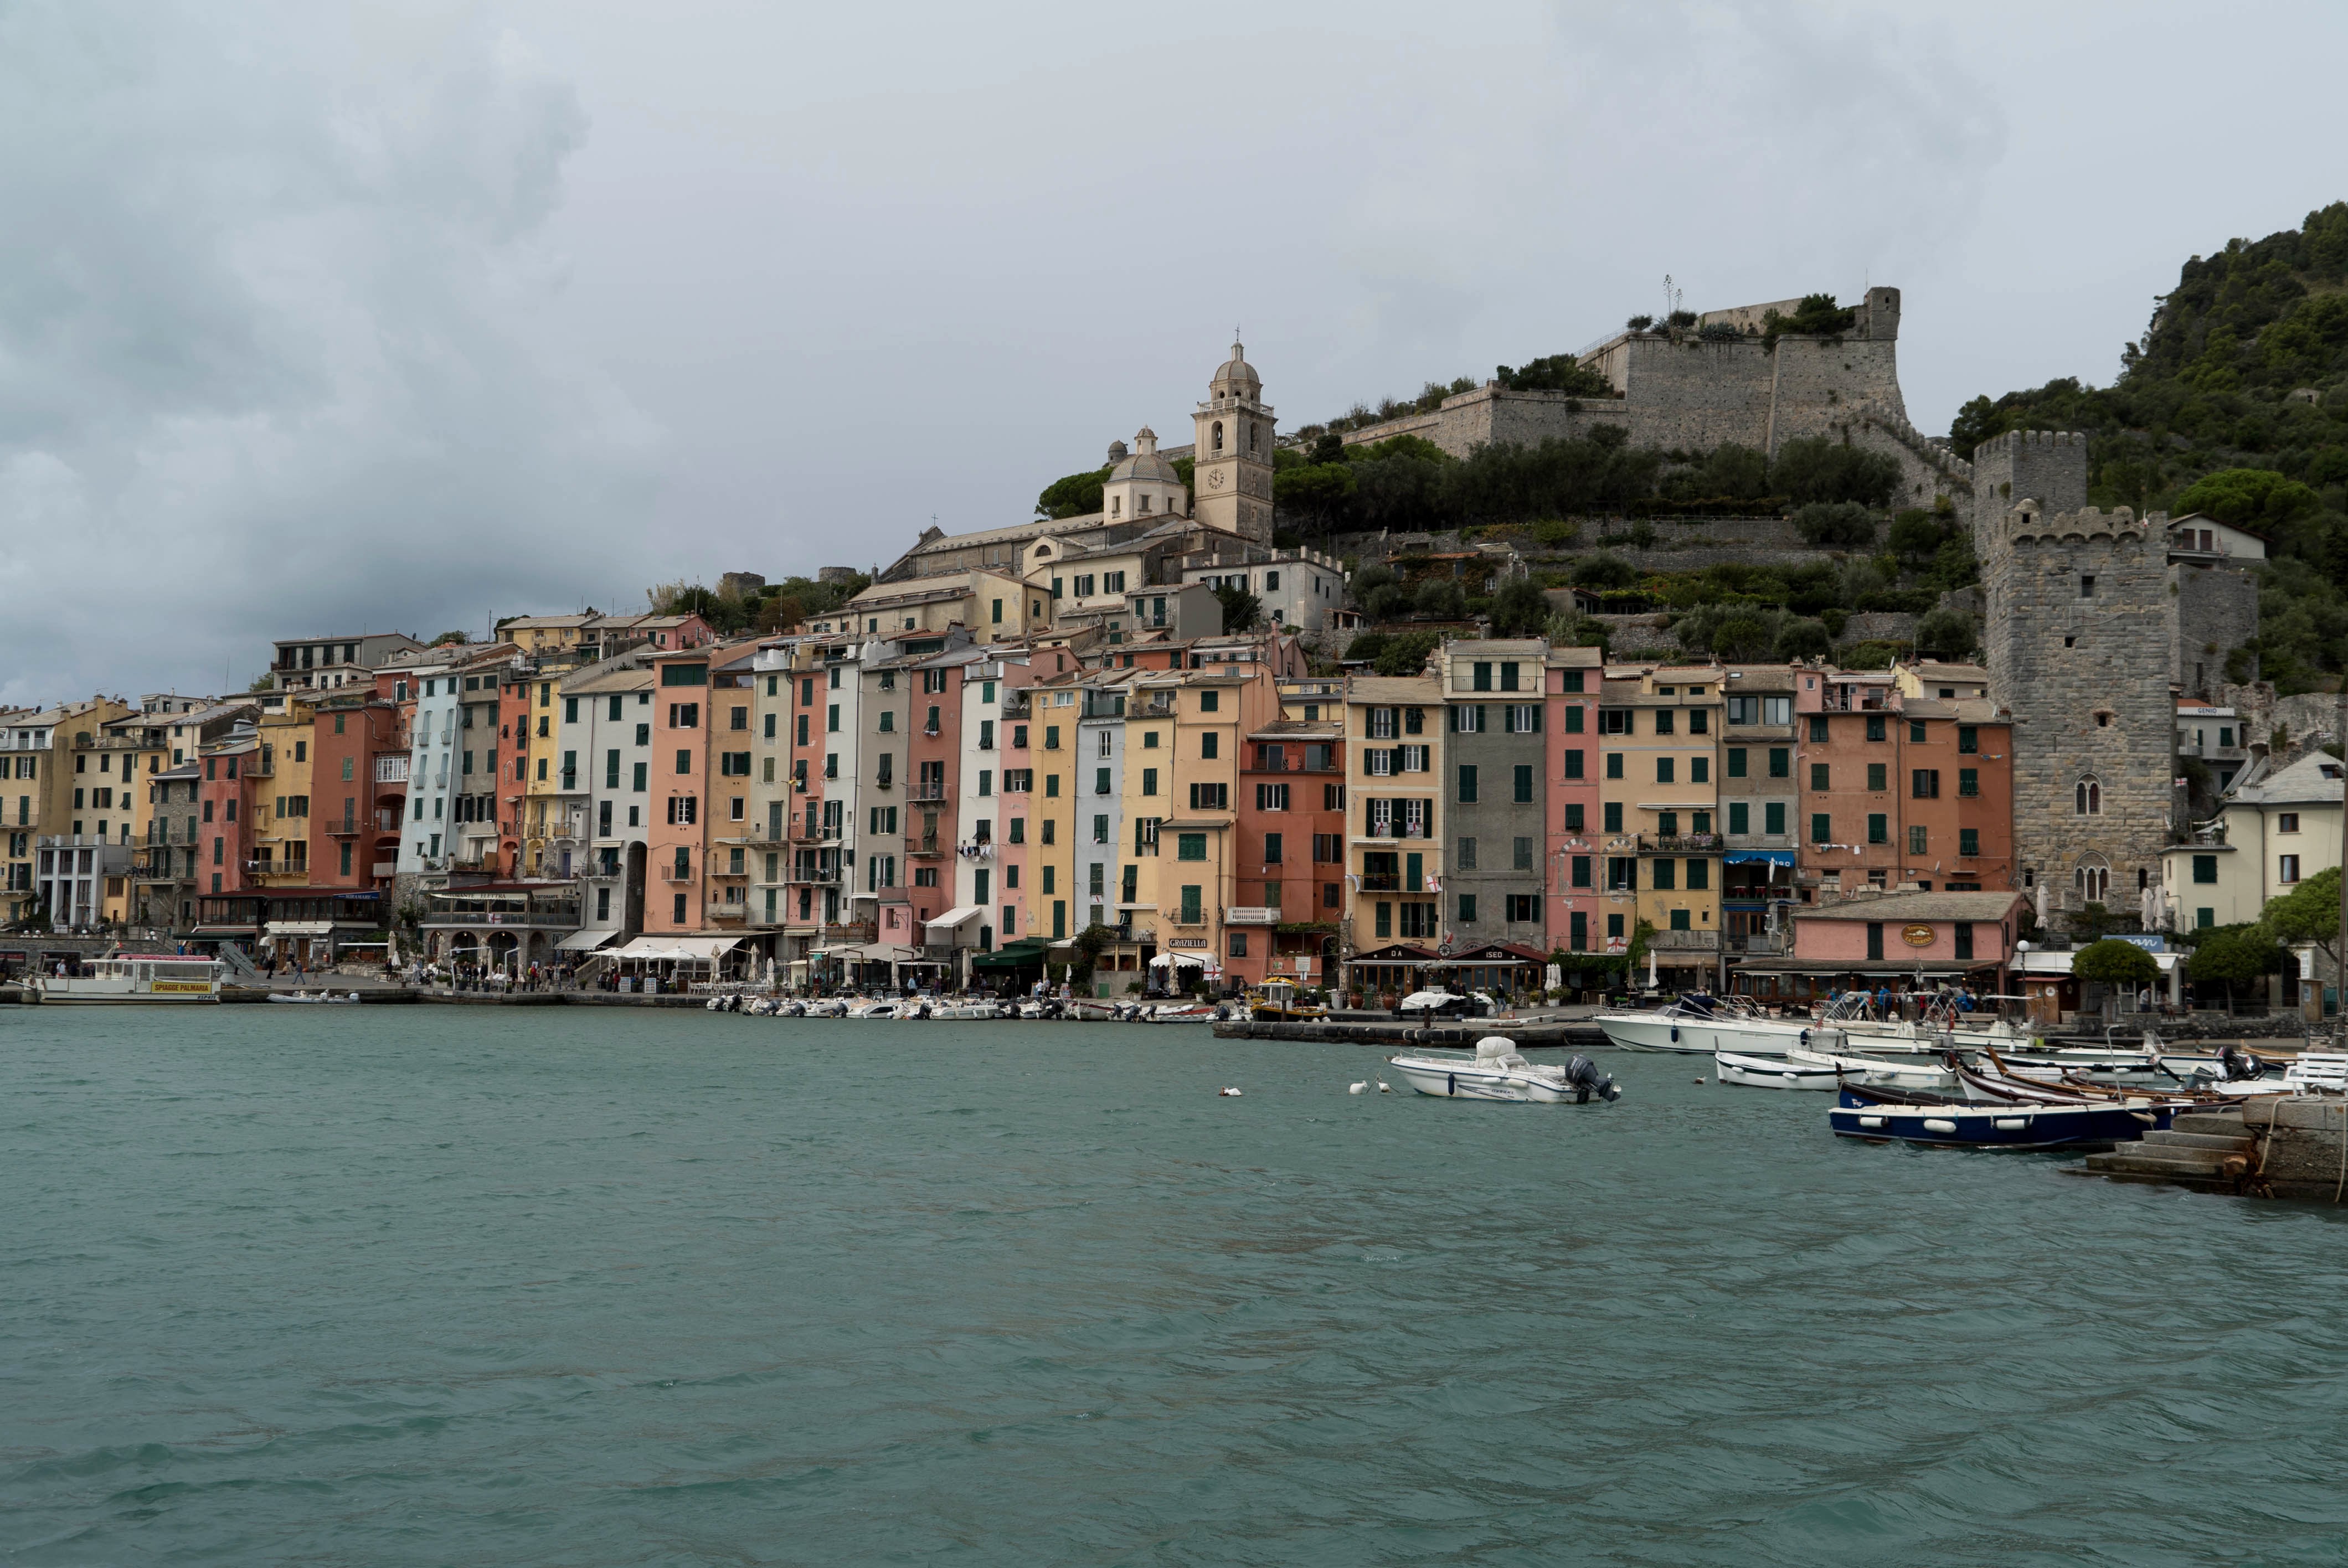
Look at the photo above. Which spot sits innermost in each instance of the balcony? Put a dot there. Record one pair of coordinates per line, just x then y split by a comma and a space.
1758, 942
391, 769
558, 917
718, 909
926, 849
1684, 941
927, 790
384, 868
1381, 882
1680, 843
672, 872
884, 781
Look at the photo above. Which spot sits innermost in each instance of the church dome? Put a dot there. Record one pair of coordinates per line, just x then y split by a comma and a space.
1236, 377
1145, 464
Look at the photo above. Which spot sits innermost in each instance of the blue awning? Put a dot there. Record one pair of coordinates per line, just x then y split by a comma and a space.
1774, 856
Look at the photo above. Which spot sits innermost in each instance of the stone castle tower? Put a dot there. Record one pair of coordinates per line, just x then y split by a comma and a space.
2081, 633
1232, 463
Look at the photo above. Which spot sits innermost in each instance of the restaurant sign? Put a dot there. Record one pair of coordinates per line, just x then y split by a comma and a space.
1188, 942
1917, 936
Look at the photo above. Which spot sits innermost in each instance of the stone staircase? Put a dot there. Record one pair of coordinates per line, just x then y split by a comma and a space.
2199, 1149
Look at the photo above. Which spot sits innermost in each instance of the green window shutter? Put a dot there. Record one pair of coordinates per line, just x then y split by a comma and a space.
1699, 876
1821, 828
1739, 817
1467, 783
1736, 762
1524, 783
1879, 827
1772, 816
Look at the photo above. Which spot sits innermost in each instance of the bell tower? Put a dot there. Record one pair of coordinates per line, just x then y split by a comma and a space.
1231, 464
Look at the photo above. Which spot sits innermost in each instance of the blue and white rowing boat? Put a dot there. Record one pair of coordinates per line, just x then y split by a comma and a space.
1959, 1126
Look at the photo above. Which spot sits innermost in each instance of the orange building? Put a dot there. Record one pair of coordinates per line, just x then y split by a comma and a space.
1901, 790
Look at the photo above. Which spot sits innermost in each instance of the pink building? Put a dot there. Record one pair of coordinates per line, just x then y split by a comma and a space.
1575, 871
1873, 939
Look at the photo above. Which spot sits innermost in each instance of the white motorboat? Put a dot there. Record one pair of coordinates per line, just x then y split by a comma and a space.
965, 1009
134, 978
886, 1008
315, 998
1701, 1025
1876, 1073
1184, 1012
1775, 1071
1495, 1070
1440, 1002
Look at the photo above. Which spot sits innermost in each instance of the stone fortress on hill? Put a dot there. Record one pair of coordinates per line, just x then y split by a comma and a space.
2095, 623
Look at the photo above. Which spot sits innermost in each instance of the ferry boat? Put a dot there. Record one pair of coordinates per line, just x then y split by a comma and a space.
135, 977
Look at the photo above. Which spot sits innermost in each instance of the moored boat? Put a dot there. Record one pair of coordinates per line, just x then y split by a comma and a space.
2017, 1127
1495, 1070
1775, 1071
134, 978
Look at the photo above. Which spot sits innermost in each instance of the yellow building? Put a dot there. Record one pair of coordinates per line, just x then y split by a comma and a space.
130, 750
280, 837
1182, 753
1394, 831
990, 604
50, 791
1659, 730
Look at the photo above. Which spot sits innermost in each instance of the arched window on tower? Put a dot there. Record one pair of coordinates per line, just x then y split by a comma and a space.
1217, 441
2088, 797
2092, 879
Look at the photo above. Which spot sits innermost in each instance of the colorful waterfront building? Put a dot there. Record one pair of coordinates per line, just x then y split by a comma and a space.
359, 761
1497, 789
1574, 865
1291, 821
1394, 740
1661, 727
1760, 800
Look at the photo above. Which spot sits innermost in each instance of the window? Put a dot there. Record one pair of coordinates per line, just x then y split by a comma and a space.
1773, 818
1467, 855
1736, 761
2287, 822
1467, 784
1573, 764
1967, 738
1968, 842
1879, 829
2287, 868
2087, 798
1875, 728
1573, 817
1817, 726
1969, 781
1699, 876
1917, 838
1272, 797
1573, 718
1963, 933
1611, 812
1614, 721
2086, 585
1663, 770
2204, 869
1924, 784
1875, 939
1613, 765
1523, 717
1820, 777
1699, 770
1662, 720
1667, 875
1878, 777
1915, 732
1210, 797
1468, 718
1821, 828
1524, 783
1149, 781
1781, 762
1209, 745
1740, 818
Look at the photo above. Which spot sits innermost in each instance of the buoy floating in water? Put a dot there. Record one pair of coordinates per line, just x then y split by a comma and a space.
1228, 1094
1383, 1087
1357, 1088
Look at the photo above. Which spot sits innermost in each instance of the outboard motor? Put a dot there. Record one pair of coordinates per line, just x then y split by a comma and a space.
1587, 1080
2238, 1066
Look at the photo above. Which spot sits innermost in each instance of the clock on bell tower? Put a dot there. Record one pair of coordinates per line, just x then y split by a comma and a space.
1231, 464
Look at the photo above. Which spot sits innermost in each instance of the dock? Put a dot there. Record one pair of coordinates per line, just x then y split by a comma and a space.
1529, 1034
2269, 1148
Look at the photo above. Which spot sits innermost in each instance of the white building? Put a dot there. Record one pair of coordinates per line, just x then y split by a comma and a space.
1299, 588
2271, 834
614, 737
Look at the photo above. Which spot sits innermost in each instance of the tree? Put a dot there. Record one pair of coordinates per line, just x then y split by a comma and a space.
1835, 525
1443, 598
1816, 468
1744, 638
2309, 914
1946, 634
1557, 373
2123, 965
1406, 653
1603, 570
1519, 610
2233, 954
1318, 494
449, 639
1241, 610
1565, 630
1915, 534
1801, 639
1074, 496
2256, 499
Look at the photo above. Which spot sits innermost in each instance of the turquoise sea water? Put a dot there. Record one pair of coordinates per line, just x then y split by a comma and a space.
437, 1285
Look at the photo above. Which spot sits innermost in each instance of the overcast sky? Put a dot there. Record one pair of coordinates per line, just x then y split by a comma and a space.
318, 319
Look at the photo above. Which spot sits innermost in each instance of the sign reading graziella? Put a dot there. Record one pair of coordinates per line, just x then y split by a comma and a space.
1188, 942
1916, 936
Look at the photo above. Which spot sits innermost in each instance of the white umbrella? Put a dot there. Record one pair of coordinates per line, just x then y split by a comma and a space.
1653, 983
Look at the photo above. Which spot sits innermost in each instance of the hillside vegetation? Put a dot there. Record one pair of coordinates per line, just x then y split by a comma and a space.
2233, 403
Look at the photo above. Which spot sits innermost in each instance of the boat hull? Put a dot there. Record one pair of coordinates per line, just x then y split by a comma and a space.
2010, 1127
1463, 1080
1773, 1072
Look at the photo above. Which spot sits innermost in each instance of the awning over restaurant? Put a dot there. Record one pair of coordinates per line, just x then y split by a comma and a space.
684, 949
582, 941
299, 929
1774, 856
226, 931
1019, 954
960, 915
